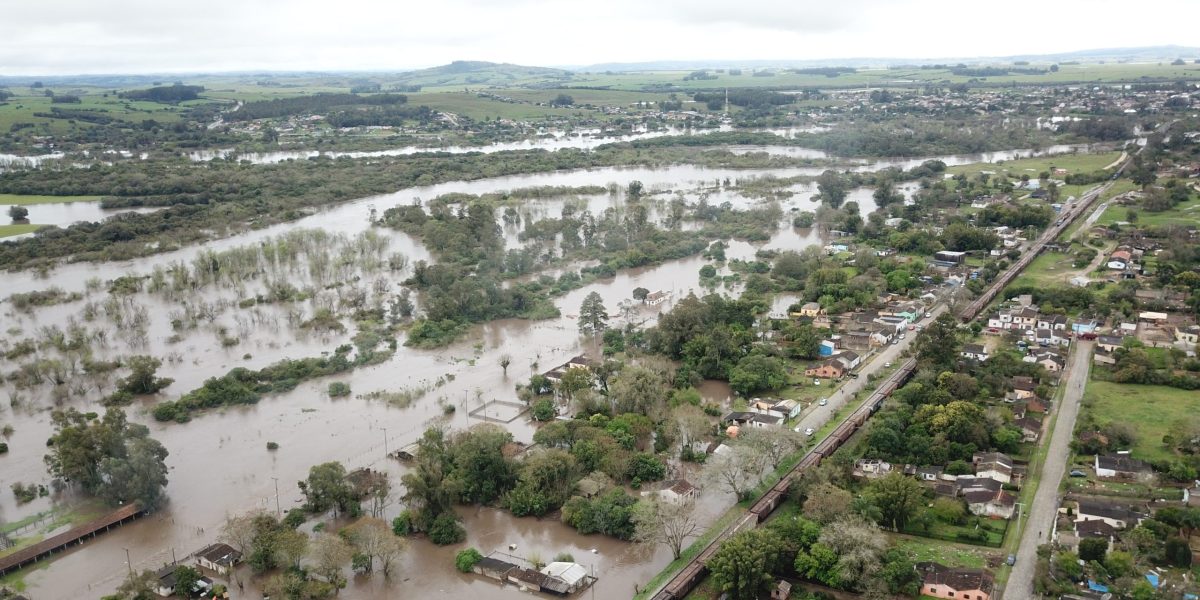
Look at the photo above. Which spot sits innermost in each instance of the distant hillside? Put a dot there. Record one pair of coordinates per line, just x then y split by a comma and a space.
1144, 54
466, 72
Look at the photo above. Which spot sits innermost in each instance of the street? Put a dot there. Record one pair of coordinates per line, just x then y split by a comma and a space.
1045, 501
818, 415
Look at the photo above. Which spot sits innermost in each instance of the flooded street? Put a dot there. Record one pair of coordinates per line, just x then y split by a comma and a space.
219, 464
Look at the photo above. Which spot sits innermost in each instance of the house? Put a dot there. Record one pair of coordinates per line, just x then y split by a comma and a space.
995, 465
950, 256
1030, 427
675, 491
999, 504
1095, 528
1026, 318
752, 419
848, 359
781, 591
830, 369
1153, 317
1103, 357
494, 568
810, 309
656, 298
1189, 334
969, 483
1050, 361
974, 352
1084, 326
219, 558
1109, 343
1120, 466
165, 586
1117, 516
930, 473
871, 468
1023, 387
565, 578
827, 348
955, 584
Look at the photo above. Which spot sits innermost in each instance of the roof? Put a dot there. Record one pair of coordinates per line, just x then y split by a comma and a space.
1029, 423
974, 349
956, 579
570, 572
682, 487
992, 458
1110, 340
1121, 462
998, 497
1025, 384
221, 554
1094, 528
1105, 510
769, 419
984, 483
492, 564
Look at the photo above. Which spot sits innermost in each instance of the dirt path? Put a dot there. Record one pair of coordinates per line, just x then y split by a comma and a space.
1046, 499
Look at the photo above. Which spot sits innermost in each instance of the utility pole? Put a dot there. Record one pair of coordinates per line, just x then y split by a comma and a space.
278, 512
385, 448
129, 563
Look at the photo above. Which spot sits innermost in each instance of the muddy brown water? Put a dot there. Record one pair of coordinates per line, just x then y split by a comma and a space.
219, 465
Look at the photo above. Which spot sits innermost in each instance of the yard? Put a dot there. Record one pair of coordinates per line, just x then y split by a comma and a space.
1047, 269
1149, 409
949, 554
1186, 213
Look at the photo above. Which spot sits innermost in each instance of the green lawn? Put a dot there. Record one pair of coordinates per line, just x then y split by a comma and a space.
1047, 269
1073, 163
1186, 213
28, 200
1149, 409
952, 555
7, 230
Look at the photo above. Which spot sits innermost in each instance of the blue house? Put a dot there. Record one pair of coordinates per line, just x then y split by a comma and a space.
827, 348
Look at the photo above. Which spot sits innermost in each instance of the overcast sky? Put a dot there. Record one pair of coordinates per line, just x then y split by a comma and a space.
137, 36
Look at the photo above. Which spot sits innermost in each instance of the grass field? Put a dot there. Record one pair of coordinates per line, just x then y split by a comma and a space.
1047, 269
1186, 213
1073, 163
952, 555
1149, 409
7, 230
30, 200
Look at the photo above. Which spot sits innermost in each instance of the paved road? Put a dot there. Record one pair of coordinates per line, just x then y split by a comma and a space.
1045, 500
819, 415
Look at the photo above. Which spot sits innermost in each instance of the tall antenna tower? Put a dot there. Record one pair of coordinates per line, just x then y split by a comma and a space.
727, 102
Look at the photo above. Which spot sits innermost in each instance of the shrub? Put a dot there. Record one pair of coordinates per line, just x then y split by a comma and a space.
295, 518
3, 448
338, 389
272, 446
446, 530
466, 560
543, 410
402, 525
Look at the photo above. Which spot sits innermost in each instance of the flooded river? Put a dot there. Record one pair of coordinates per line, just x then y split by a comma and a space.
219, 465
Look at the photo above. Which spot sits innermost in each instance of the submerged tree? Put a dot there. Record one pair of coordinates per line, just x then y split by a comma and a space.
666, 523
593, 317
108, 457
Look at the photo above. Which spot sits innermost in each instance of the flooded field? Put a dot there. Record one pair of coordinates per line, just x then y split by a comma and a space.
219, 464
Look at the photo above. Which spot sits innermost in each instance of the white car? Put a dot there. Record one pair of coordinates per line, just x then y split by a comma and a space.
824, 401
928, 314
896, 342
809, 431
902, 336
887, 365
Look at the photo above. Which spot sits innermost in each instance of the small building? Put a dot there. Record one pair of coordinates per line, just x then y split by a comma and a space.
658, 297
974, 352
950, 256
675, 491
565, 578
995, 465
781, 591
999, 504
827, 348
1188, 334
493, 568
220, 558
1088, 326
1024, 387
849, 359
830, 369
940, 581
1030, 427
871, 468
1153, 317
1120, 466
1109, 343
810, 309
1119, 517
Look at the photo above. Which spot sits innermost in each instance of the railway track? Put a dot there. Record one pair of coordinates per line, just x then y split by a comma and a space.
687, 578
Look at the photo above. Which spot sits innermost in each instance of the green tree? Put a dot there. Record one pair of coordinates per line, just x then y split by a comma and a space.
326, 487
938, 344
1093, 549
186, 579
640, 294
898, 498
593, 317
142, 377
18, 212
832, 188
466, 560
107, 457
138, 476
757, 373
742, 566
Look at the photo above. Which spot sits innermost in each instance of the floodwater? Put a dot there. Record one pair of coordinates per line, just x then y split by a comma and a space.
64, 214
585, 139
219, 464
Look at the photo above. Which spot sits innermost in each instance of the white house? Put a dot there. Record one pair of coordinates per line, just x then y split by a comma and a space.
1000, 504
994, 465
1116, 516
974, 352
675, 491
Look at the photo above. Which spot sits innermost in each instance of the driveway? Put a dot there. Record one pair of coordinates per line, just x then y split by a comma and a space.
1045, 500
818, 415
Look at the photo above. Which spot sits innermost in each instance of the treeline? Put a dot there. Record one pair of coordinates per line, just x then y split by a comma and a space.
73, 114
315, 104
167, 94
963, 71
746, 98
826, 71
388, 116
915, 137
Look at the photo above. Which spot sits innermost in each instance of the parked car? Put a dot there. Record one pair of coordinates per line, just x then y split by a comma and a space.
887, 365
928, 314
895, 341
824, 401
1077, 473
1012, 560
902, 336
809, 431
